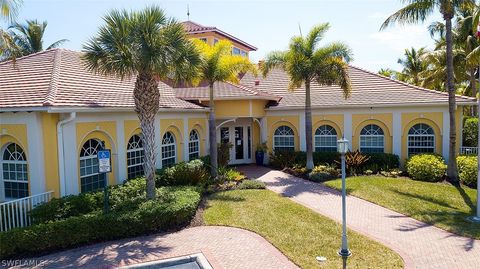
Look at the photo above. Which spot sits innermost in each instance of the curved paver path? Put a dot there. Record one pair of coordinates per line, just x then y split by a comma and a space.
224, 247
421, 245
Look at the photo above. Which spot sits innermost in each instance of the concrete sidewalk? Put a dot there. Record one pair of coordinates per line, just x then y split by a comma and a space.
421, 245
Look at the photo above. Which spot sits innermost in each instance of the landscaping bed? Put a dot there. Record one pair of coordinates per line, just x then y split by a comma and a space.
298, 232
439, 204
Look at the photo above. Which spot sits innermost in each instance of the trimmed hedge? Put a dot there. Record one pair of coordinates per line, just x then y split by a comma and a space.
121, 197
426, 167
157, 215
467, 170
184, 173
381, 162
251, 185
470, 132
377, 162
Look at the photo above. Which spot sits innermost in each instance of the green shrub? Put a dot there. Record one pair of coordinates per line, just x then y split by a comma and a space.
223, 154
326, 158
185, 173
251, 184
283, 159
322, 173
355, 161
378, 162
470, 132
226, 173
149, 216
426, 167
85, 203
467, 170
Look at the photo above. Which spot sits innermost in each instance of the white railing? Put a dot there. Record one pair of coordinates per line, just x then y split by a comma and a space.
468, 150
14, 213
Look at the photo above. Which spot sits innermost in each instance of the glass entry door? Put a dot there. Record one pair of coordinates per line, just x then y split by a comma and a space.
239, 154
240, 137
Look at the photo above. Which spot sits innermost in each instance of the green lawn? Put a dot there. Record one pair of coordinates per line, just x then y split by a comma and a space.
440, 204
298, 232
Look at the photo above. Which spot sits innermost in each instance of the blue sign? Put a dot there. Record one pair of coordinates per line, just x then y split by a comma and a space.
104, 161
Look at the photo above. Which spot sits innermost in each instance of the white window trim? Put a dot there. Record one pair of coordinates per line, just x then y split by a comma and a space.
283, 136
3, 180
196, 141
382, 136
174, 144
135, 149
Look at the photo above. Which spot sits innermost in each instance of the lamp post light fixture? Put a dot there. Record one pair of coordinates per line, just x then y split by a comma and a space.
342, 146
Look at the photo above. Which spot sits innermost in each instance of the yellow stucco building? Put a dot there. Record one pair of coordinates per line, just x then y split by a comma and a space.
55, 116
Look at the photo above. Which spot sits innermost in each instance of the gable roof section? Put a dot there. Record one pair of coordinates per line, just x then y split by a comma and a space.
223, 91
58, 78
195, 28
368, 90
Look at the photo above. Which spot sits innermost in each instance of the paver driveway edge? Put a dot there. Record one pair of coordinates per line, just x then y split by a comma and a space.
419, 244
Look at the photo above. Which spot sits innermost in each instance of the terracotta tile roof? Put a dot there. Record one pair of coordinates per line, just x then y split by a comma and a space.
196, 28
57, 78
368, 89
223, 90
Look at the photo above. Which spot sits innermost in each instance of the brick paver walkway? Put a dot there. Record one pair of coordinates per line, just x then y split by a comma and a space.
420, 245
224, 247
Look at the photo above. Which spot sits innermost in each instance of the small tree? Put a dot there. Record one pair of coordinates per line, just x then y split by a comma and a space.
150, 46
305, 62
218, 65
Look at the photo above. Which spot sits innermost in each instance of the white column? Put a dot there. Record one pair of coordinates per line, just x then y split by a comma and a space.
71, 158
263, 130
397, 134
445, 136
186, 138
35, 158
302, 132
347, 128
121, 156
158, 142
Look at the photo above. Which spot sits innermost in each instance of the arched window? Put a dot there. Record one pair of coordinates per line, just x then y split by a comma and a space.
135, 157
169, 151
90, 178
421, 139
372, 139
193, 145
325, 139
283, 139
14, 172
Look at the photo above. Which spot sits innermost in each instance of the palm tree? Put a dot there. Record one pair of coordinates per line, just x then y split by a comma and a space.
413, 65
8, 12
219, 65
9, 9
29, 37
304, 62
387, 72
417, 11
151, 47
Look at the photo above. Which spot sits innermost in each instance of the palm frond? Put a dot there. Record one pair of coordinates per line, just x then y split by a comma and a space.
414, 12
315, 35
9, 9
273, 60
57, 43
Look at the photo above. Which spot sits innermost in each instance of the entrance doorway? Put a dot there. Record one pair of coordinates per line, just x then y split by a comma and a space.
241, 138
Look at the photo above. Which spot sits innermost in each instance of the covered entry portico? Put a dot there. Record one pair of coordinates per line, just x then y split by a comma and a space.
243, 134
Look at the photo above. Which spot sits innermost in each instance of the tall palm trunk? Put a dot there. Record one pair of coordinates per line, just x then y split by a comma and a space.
452, 164
308, 125
147, 99
473, 86
212, 135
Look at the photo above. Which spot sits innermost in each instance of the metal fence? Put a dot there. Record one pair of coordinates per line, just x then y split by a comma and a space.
469, 150
14, 213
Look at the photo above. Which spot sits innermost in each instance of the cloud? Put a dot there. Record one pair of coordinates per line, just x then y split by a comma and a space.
378, 15
402, 37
